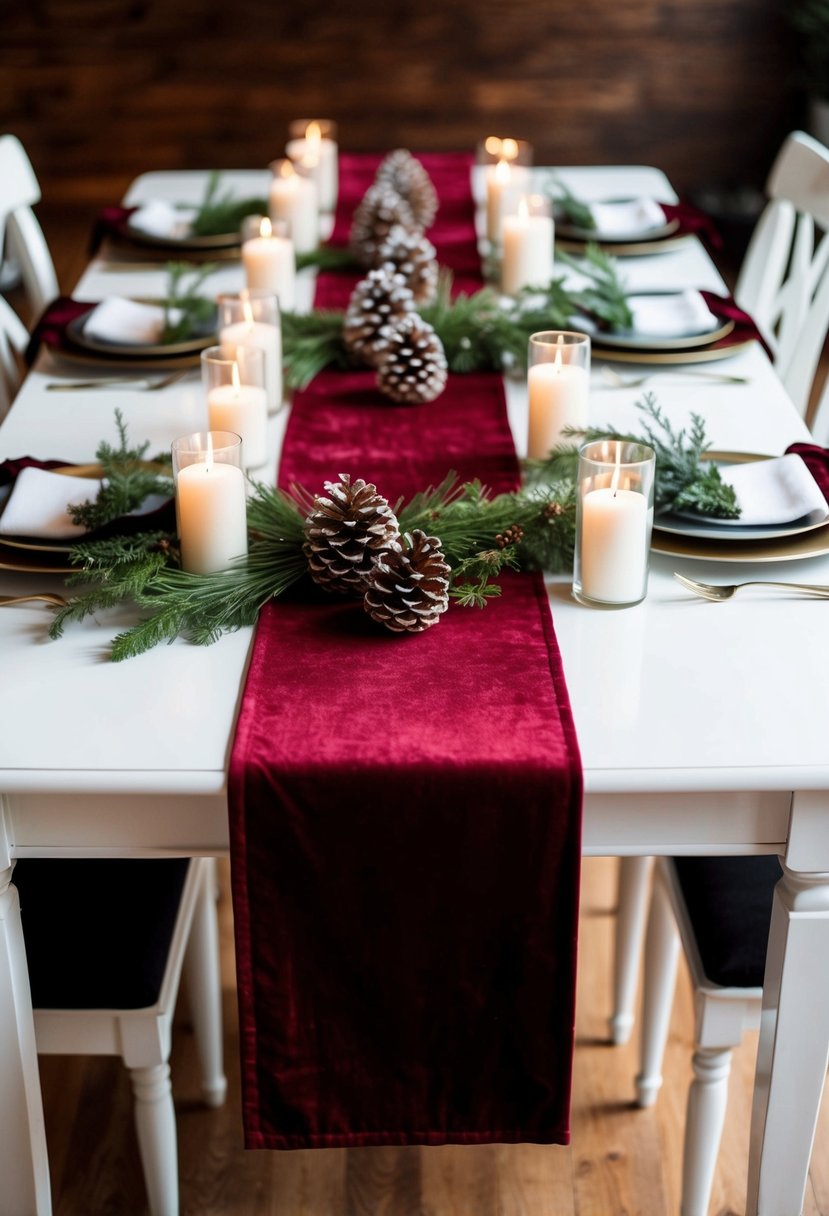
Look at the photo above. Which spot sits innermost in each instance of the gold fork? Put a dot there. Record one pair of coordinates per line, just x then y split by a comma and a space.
47, 597
136, 383
724, 591
613, 378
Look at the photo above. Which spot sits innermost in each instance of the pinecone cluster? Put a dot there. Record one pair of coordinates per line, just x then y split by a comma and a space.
382, 327
390, 221
354, 546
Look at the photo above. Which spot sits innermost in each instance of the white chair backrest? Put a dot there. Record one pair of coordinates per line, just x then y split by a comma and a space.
13, 340
20, 234
784, 279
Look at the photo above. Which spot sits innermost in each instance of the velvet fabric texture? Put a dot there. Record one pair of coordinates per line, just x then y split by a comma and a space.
816, 460
405, 821
50, 329
694, 221
727, 309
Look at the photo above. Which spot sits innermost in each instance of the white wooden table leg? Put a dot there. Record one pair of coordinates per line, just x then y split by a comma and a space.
661, 961
634, 886
204, 989
707, 1100
794, 1031
24, 1165
155, 1122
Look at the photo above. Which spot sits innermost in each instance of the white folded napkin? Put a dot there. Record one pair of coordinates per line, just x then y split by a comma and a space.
776, 491
121, 320
157, 217
38, 501
631, 218
678, 314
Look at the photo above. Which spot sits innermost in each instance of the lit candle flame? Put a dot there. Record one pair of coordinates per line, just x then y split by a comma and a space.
492, 144
509, 149
502, 172
286, 169
313, 133
524, 211
265, 228
234, 376
246, 307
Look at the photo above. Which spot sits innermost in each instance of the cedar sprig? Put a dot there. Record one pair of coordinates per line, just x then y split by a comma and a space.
328, 257
683, 481
566, 203
223, 216
128, 479
112, 571
196, 312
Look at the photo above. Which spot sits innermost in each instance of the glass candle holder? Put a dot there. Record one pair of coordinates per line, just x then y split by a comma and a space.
293, 199
251, 318
506, 164
558, 387
236, 398
614, 519
269, 259
527, 242
314, 141
211, 503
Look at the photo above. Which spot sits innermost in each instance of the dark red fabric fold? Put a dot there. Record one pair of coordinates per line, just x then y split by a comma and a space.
745, 328
816, 460
692, 220
110, 221
50, 329
405, 827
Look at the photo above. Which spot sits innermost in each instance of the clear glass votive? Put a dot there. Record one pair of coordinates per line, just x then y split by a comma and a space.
558, 388
251, 318
527, 241
614, 519
211, 500
293, 199
314, 140
269, 259
234, 388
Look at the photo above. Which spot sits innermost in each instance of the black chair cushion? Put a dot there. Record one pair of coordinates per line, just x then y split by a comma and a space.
98, 932
729, 907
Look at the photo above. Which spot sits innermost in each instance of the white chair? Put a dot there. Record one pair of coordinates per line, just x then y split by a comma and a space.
13, 340
783, 281
721, 908
106, 941
784, 284
21, 236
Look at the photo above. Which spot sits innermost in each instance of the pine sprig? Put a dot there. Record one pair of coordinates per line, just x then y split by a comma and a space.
683, 481
127, 481
223, 216
328, 257
195, 312
572, 208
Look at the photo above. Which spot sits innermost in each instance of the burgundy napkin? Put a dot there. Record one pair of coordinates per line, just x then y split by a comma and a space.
50, 330
693, 221
726, 309
816, 460
110, 221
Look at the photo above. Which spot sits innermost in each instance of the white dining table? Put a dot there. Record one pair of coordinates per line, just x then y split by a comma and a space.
702, 727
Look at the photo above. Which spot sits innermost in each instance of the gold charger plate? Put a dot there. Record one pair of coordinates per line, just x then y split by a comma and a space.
144, 363
704, 354
30, 562
810, 542
224, 240
634, 342
626, 248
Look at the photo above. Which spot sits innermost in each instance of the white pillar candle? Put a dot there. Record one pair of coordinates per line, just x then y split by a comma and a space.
498, 179
558, 395
294, 201
322, 151
266, 338
526, 250
212, 516
614, 545
270, 265
243, 409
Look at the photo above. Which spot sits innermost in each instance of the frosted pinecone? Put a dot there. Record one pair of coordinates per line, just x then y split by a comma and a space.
408, 587
377, 213
413, 256
379, 302
414, 368
405, 174
347, 528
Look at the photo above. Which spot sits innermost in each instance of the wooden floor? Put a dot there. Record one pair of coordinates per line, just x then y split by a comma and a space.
622, 1161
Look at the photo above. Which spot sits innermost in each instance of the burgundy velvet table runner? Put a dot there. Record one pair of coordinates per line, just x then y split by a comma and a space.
405, 814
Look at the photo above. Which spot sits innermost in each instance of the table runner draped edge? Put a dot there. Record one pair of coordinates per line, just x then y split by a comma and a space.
405, 813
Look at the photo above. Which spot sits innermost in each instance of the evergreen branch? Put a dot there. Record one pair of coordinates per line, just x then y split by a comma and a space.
195, 312
223, 216
328, 257
127, 481
311, 343
572, 208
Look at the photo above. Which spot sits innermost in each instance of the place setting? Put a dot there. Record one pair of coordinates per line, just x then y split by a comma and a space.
626, 227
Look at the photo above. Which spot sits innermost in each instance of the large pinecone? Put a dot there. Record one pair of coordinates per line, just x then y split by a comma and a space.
380, 300
345, 532
413, 256
379, 210
408, 587
405, 174
413, 368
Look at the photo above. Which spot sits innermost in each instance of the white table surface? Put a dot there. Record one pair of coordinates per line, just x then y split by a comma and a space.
702, 727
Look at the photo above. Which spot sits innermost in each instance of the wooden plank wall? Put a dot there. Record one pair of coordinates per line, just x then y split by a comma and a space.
99, 90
